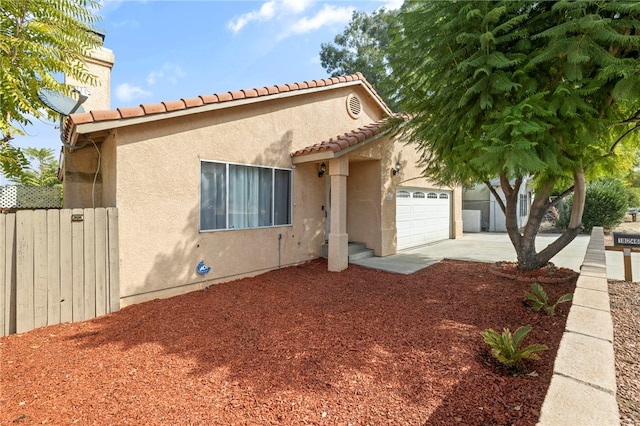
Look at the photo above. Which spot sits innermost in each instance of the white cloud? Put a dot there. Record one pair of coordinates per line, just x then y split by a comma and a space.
265, 13
126, 92
329, 15
169, 72
296, 6
268, 11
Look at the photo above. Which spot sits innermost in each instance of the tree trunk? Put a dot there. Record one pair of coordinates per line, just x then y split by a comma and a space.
524, 244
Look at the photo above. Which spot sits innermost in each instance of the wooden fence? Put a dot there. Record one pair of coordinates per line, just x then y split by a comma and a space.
57, 266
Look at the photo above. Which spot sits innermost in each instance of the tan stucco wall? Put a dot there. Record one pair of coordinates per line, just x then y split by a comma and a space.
155, 184
158, 192
81, 170
372, 187
99, 63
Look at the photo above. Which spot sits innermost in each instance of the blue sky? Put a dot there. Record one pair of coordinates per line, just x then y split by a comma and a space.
167, 50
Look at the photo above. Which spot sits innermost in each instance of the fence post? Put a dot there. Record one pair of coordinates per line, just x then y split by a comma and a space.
114, 260
24, 271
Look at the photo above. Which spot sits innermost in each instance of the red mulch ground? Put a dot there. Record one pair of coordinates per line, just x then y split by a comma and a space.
298, 345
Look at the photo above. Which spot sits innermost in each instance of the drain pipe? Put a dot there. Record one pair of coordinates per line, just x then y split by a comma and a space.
279, 255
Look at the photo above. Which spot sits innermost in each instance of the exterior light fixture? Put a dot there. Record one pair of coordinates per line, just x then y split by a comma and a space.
396, 168
322, 170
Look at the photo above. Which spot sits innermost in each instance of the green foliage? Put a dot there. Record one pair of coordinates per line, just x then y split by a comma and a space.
363, 47
634, 197
516, 89
605, 205
539, 300
39, 39
506, 348
41, 171
12, 160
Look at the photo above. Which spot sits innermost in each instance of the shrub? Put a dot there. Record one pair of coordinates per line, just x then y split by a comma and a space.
506, 348
605, 205
538, 300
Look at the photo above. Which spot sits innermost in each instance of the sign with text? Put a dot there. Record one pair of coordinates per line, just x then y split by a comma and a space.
627, 240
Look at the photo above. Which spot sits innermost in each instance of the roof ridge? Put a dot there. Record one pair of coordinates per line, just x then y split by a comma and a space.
186, 103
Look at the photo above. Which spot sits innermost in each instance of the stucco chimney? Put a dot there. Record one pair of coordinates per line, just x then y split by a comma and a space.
99, 63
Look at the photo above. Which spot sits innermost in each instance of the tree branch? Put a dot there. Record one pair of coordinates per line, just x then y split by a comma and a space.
563, 195
495, 195
613, 147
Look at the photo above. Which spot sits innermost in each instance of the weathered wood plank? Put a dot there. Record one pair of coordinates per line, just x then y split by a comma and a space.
77, 254
9, 274
40, 270
24, 271
53, 267
66, 267
101, 261
114, 260
89, 264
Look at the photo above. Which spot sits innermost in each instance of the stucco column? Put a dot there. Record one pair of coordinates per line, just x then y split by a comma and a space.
338, 237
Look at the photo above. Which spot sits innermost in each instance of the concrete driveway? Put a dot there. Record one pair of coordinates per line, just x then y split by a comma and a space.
490, 247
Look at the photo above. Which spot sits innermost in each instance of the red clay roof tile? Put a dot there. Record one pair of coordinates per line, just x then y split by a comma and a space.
105, 115
128, 112
167, 106
225, 97
250, 93
346, 140
193, 102
237, 94
153, 108
174, 105
83, 117
209, 99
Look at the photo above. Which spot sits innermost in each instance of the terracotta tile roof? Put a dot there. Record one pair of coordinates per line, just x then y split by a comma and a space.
183, 104
348, 139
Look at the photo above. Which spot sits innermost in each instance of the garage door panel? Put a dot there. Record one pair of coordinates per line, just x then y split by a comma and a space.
422, 216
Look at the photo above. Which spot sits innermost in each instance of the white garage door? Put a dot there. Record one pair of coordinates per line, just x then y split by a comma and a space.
422, 216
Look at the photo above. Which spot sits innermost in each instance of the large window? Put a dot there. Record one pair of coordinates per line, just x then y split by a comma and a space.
235, 196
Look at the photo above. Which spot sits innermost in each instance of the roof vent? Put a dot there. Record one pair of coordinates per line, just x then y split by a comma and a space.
354, 106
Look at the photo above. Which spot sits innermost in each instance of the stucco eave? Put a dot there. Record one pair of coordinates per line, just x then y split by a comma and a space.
329, 154
315, 157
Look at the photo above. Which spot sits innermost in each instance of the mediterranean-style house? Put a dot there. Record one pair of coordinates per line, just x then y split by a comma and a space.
221, 186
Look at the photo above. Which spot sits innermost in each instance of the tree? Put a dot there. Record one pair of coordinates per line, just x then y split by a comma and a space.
362, 47
516, 89
42, 170
39, 39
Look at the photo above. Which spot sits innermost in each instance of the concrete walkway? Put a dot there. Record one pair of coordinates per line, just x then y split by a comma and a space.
493, 247
480, 247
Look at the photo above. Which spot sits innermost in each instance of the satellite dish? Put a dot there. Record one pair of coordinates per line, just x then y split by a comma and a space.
63, 104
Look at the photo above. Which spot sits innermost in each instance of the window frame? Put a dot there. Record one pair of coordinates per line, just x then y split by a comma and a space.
227, 165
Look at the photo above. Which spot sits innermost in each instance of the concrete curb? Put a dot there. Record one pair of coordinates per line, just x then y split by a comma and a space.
583, 385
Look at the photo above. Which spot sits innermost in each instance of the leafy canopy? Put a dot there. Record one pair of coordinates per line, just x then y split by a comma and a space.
363, 47
39, 39
516, 87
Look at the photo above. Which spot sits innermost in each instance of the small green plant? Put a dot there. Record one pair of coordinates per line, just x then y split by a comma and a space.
506, 348
538, 300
